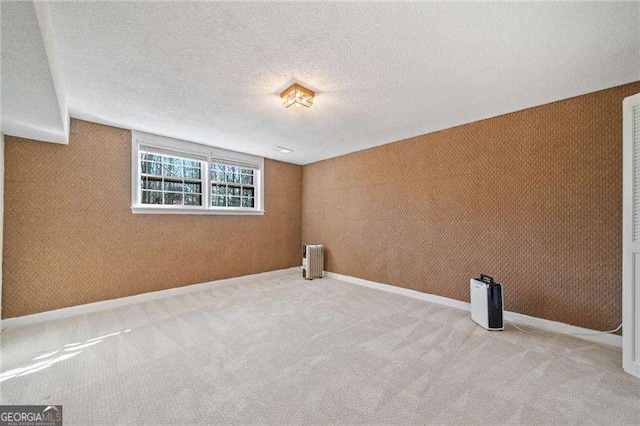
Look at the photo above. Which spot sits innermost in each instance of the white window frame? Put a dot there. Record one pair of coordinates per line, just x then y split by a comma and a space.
207, 154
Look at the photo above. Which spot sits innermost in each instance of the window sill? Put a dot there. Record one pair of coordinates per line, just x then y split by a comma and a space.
169, 210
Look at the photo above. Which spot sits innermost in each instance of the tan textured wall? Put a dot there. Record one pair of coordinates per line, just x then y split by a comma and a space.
1, 210
532, 198
70, 236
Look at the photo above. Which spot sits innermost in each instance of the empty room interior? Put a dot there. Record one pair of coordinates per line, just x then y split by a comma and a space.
320, 213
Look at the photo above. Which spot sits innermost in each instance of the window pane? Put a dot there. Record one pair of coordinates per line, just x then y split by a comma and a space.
247, 192
216, 173
192, 163
232, 175
172, 186
172, 161
192, 199
153, 169
191, 173
172, 170
172, 198
247, 179
219, 201
152, 157
150, 183
221, 189
148, 167
234, 190
234, 202
248, 202
192, 187
151, 197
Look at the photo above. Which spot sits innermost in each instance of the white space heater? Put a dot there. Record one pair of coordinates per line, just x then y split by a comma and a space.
312, 261
486, 302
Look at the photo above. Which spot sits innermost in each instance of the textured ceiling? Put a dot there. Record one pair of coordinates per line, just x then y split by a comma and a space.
211, 72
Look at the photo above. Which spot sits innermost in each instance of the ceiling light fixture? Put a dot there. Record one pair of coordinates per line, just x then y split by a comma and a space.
297, 96
283, 150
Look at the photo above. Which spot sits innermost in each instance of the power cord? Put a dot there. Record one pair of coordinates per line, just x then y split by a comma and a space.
598, 332
595, 332
592, 333
530, 331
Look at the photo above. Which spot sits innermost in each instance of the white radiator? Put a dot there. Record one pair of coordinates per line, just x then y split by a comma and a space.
312, 261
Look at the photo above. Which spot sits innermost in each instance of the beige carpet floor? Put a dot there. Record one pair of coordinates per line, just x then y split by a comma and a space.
279, 349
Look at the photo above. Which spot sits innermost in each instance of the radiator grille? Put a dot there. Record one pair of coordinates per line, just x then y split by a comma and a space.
312, 261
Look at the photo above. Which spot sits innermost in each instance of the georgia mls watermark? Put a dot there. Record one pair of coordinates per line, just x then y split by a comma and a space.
30, 415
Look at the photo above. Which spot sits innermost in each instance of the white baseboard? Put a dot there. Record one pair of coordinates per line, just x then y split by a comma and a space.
403, 291
544, 324
557, 327
632, 368
122, 301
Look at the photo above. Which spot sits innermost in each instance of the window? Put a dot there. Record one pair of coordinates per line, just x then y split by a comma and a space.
232, 186
173, 176
170, 180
